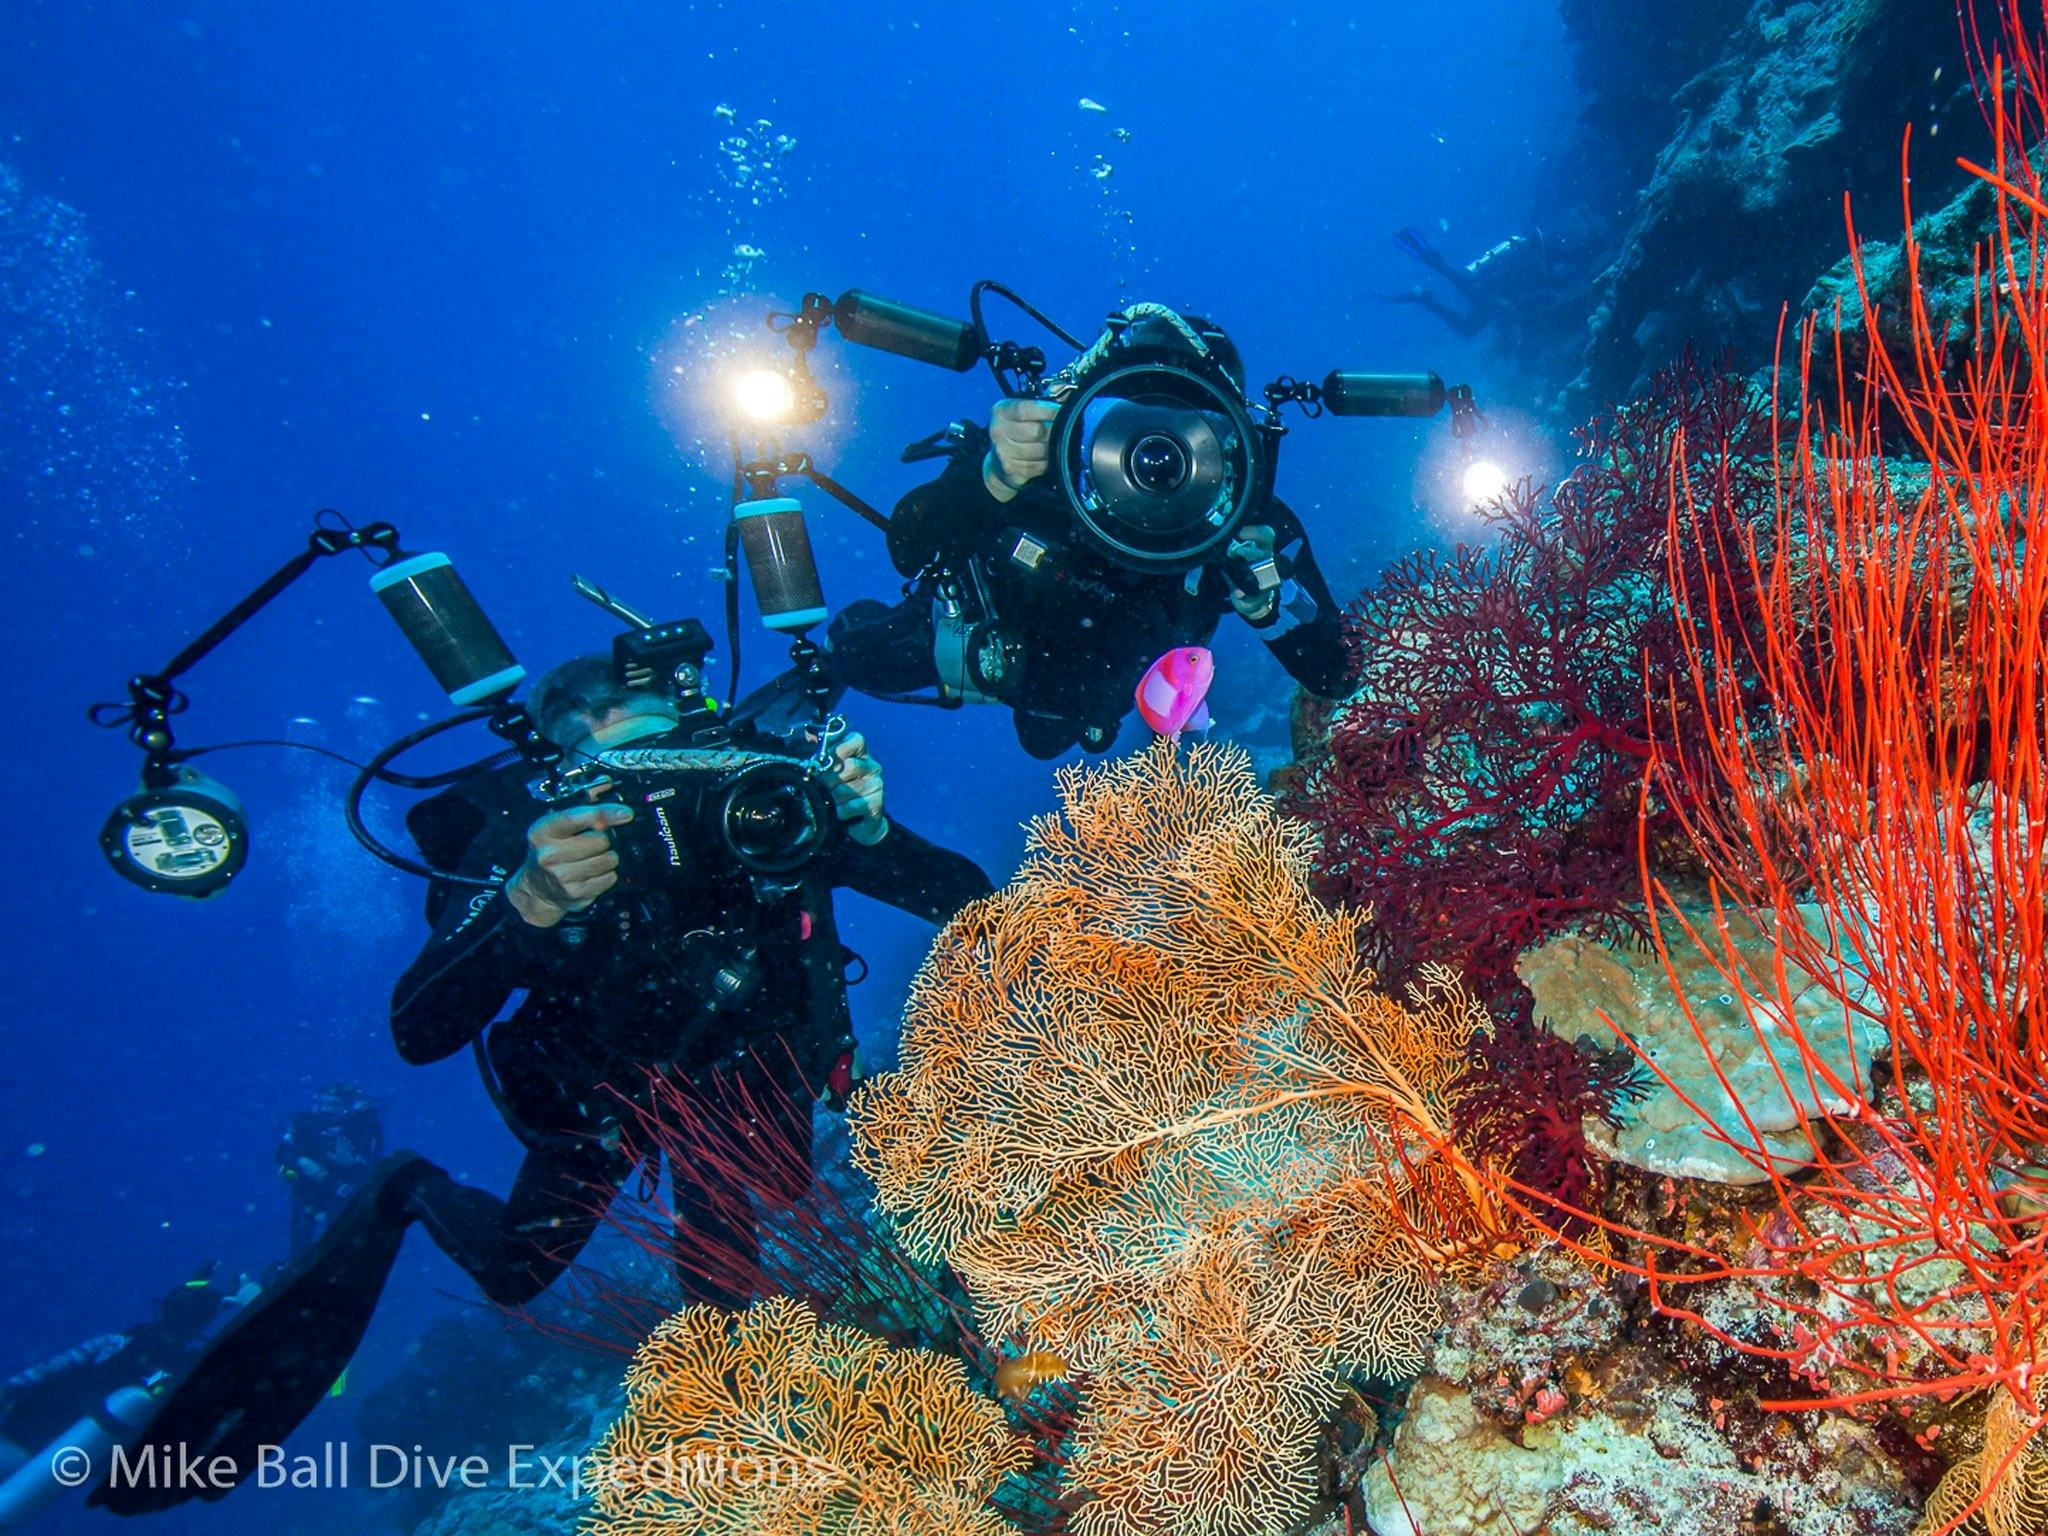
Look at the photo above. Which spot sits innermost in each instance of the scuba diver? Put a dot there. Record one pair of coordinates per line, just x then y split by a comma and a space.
97, 1393
1491, 285
641, 947
1010, 603
326, 1152
97, 1390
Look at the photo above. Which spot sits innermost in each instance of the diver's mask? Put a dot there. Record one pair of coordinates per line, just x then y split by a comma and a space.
1155, 447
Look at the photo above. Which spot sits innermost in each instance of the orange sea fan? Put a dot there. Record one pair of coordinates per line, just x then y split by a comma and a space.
1157, 1118
767, 1423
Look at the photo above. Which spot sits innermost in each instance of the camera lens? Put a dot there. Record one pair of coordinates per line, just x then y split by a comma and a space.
1159, 463
770, 819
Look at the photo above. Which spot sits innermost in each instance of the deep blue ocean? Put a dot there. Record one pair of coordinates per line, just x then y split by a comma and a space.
472, 269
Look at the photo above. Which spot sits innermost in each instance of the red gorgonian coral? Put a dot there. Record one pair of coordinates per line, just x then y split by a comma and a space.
1523, 1101
1480, 791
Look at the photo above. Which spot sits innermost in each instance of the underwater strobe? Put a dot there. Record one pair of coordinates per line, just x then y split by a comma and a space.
182, 833
184, 836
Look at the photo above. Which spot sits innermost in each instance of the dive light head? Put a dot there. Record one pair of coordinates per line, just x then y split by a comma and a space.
184, 836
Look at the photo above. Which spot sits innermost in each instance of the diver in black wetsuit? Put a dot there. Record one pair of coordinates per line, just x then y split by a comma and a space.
703, 977
39, 1404
1491, 287
1082, 629
326, 1152
690, 981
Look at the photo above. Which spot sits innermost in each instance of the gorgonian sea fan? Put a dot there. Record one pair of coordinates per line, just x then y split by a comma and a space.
1521, 1105
1480, 791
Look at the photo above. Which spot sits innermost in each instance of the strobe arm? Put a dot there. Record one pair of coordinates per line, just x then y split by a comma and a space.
153, 697
1349, 392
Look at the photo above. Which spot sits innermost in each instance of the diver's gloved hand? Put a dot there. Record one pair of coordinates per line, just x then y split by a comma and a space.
1020, 445
569, 862
857, 791
1256, 572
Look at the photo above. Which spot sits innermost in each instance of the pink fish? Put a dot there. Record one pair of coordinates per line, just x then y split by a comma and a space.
1173, 694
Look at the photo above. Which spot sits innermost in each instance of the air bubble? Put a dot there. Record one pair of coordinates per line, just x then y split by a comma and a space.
92, 446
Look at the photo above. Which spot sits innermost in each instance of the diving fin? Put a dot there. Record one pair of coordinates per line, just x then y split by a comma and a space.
270, 1367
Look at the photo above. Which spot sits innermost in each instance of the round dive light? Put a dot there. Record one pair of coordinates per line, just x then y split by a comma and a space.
771, 817
1160, 464
184, 838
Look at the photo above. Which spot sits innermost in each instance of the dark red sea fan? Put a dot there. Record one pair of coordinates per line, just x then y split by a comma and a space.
1522, 1104
1481, 789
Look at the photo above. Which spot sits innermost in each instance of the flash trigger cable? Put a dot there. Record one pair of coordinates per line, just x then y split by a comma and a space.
379, 768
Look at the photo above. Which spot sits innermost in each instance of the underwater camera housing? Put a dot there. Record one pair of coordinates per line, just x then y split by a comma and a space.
1159, 450
1155, 448
694, 792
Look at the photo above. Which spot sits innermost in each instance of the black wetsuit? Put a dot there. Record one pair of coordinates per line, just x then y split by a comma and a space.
611, 996
1089, 628
323, 1158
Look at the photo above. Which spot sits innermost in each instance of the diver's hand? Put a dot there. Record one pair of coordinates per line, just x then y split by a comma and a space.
857, 791
1020, 445
569, 862
1253, 548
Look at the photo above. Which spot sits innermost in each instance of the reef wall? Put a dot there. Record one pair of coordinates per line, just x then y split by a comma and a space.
1718, 143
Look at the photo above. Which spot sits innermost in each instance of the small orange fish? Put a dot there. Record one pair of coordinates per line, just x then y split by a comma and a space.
1017, 1379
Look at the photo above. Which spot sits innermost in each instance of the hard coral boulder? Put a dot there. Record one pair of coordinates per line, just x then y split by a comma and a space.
1655, 1465
1454, 1472
1585, 986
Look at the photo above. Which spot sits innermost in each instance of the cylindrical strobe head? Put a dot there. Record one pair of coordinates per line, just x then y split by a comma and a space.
907, 331
444, 624
779, 560
1347, 393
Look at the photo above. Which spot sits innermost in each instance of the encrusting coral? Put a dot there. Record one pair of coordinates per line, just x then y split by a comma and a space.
768, 1423
1160, 1121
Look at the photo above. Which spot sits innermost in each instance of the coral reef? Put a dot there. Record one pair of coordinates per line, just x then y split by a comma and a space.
769, 1421
484, 1386
1731, 1112
1480, 792
542, 1503
1881, 759
1791, 105
1942, 268
1527, 1102
1161, 1122
1549, 1409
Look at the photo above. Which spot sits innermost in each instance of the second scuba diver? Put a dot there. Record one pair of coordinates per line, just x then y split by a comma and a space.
710, 974
1064, 632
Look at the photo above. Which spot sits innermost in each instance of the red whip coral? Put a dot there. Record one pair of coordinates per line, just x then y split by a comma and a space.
1894, 771
1480, 792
